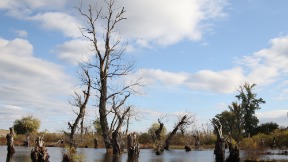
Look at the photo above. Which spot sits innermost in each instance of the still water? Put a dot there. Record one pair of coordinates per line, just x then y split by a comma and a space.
22, 154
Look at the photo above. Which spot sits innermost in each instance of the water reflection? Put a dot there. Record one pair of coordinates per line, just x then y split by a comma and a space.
9, 157
22, 154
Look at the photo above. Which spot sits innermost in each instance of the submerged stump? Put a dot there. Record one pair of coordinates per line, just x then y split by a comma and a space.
39, 153
133, 147
10, 145
219, 150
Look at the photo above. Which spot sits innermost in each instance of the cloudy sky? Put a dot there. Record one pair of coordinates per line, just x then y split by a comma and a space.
196, 53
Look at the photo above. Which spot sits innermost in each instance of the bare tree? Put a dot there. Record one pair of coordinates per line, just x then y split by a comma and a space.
108, 64
80, 101
184, 120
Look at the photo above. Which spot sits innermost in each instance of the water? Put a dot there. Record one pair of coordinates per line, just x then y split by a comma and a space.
22, 154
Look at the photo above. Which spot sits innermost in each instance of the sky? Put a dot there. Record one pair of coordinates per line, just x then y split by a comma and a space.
196, 53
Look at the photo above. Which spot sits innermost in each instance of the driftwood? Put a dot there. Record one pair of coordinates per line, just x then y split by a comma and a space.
219, 150
133, 147
39, 153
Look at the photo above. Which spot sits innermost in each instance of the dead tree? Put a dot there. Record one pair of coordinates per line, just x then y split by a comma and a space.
39, 153
108, 62
157, 138
10, 144
81, 104
219, 150
183, 121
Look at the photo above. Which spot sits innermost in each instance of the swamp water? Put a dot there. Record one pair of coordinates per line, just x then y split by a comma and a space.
22, 154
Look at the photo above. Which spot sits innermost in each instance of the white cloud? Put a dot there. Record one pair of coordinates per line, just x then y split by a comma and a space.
30, 84
222, 82
60, 22
167, 22
263, 67
149, 23
278, 116
23, 8
21, 33
74, 51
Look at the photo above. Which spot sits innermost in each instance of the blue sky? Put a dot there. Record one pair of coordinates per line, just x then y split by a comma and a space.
196, 53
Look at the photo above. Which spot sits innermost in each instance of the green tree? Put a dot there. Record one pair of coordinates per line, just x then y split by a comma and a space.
238, 122
27, 124
249, 104
266, 128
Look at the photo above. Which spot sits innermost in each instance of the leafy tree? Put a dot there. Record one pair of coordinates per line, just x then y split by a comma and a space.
248, 105
27, 124
238, 122
266, 128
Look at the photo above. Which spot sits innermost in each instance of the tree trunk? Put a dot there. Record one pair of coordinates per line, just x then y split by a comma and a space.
234, 155
116, 143
219, 150
133, 147
172, 134
102, 112
10, 145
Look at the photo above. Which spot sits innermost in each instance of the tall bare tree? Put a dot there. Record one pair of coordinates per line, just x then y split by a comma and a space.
108, 62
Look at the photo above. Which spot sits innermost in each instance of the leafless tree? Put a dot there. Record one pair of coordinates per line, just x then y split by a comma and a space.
185, 120
108, 63
80, 101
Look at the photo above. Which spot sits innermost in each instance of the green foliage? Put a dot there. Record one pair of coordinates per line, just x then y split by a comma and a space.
26, 124
252, 148
249, 104
144, 138
242, 113
97, 126
266, 128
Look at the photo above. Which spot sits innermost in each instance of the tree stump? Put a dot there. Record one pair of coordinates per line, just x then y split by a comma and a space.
39, 153
116, 143
187, 148
10, 145
234, 155
219, 150
10, 142
133, 147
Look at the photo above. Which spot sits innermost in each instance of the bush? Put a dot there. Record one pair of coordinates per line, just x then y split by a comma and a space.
26, 124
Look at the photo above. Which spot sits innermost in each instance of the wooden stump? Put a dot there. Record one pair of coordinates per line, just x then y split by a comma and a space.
10, 142
116, 143
133, 146
187, 148
39, 153
219, 150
